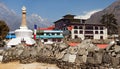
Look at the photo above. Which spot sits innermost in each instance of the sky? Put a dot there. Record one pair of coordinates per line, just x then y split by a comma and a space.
55, 9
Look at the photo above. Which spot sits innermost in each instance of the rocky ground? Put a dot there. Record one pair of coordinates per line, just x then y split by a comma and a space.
85, 55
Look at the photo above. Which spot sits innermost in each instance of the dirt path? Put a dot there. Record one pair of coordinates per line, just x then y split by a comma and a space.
16, 65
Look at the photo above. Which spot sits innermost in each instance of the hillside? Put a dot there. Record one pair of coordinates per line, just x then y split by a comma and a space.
113, 8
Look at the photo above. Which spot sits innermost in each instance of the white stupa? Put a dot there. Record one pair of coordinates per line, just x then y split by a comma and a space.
23, 33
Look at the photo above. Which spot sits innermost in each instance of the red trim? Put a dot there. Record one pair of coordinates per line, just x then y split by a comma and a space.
102, 46
69, 28
34, 36
48, 28
72, 44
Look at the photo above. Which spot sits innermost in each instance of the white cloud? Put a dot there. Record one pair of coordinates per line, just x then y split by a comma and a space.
87, 15
38, 20
37, 17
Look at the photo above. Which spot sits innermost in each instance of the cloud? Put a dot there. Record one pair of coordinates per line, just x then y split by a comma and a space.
87, 15
38, 20
13, 20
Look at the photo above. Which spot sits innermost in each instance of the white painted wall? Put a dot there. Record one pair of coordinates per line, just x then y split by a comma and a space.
49, 41
95, 36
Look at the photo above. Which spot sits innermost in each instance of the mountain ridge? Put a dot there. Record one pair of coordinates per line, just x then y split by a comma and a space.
114, 8
13, 20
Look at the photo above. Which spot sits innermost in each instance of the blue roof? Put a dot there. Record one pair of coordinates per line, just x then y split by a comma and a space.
10, 36
47, 36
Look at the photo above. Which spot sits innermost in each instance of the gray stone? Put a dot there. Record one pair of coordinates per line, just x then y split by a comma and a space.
69, 58
72, 50
117, 48
90, 60
113, 54
65, 58
98, 57
82, 51
106, 58
115, 61
118, 56
84, 58
59, 55
78, 60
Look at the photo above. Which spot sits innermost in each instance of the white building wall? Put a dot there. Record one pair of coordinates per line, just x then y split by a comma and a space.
81, 36
49, 41
105, 36
72, 34
42, 40
95, 36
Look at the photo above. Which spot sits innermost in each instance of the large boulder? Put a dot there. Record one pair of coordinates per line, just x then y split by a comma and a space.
87, 44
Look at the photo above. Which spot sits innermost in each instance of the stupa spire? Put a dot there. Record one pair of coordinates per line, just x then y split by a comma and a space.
23, 23
22, 34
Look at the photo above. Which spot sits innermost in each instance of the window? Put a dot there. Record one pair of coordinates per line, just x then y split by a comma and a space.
89, 27
88, 32
101, 27
76, 36
75, 27
13, 34
81, 32
41, 33
96, 27
45, 40
53, 33
58, 33
76, 32
101, 37
88, 37
13, 46
47, 34
54, 40
64, 28
96, 32
83, 21
80, 27
59, 40
101, 32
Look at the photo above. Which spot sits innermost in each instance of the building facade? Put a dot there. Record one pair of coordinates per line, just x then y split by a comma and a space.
10, 35
89, 31
79, 29
50, 36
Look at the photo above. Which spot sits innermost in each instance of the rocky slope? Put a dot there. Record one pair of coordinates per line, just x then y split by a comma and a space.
113, 8
85, 55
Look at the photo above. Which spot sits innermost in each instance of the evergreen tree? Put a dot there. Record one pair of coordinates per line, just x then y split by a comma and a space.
110, 23
4, 29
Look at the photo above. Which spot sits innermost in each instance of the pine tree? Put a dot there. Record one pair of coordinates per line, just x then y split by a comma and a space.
4, 29
110, 23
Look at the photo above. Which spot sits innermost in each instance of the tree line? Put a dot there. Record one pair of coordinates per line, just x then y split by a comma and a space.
110, 23
4, 29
